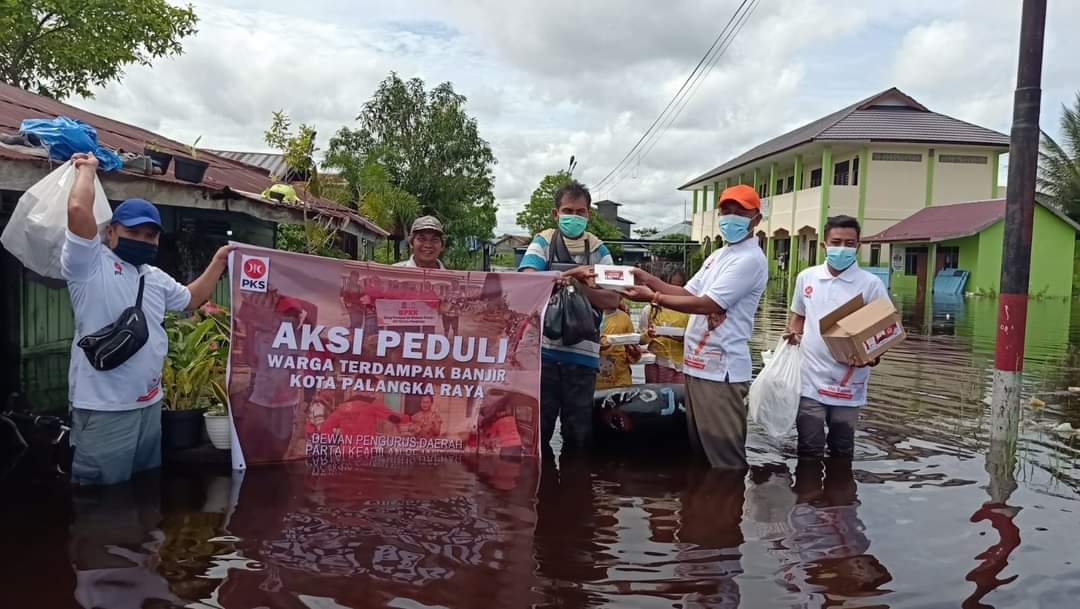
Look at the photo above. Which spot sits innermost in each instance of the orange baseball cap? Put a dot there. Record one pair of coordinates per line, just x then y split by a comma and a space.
743, 195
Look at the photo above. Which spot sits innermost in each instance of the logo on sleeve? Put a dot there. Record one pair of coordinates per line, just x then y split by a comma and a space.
809, 291
118, 269
254, 272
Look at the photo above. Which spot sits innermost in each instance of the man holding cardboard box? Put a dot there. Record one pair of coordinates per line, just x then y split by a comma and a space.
721, 299
851, 322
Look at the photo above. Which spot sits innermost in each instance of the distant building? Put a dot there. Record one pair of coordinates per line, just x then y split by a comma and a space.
679, 228
878, 160
967, 237
508, 244
609, 211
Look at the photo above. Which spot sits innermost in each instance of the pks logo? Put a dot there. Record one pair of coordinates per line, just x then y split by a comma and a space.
809, 291
118, 269
254, 273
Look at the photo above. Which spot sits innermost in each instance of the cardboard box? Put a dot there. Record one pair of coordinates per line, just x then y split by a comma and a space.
614, 277
863, 331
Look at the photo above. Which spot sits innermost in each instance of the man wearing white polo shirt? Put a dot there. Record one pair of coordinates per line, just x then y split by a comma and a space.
722, 299
116, 413
832, 391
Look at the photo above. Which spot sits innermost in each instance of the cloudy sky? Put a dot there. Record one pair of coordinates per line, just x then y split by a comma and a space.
549, 79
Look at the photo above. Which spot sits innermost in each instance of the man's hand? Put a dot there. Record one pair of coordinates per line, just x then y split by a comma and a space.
854, 362
203, 286
85, 161
584, 274
633, 352
221, 256
715, 319
638, 293
792, 337
643, 277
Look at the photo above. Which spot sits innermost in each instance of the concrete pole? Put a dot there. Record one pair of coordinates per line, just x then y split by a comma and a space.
1019, 217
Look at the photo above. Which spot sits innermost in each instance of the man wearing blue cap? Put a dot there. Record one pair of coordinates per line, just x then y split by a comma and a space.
116, 413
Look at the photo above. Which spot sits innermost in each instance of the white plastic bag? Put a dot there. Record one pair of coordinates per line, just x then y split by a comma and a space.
35, 232
774, 395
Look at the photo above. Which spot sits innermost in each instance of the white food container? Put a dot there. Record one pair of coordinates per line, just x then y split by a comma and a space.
613, 277
670, 331
623, 339
647, 358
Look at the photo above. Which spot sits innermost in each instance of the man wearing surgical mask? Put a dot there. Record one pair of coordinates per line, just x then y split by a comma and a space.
568, 372
721, 299
832, 392
116, 414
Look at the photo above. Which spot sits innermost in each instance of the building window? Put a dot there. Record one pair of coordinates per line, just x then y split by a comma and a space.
840, 176
780, 186
971, 159
897, 156
855, 171
763, 189
911, 262
790, 184
949, 257
875, 254
812, 254
815, 178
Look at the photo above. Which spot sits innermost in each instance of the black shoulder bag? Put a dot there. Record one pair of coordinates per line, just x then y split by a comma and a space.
570, 316
117, 342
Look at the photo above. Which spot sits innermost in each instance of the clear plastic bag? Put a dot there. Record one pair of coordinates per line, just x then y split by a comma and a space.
35, 233
774, 394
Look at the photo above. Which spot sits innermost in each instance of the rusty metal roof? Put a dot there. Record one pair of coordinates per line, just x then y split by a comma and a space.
889, 116
946, 222
223, 173
273, 163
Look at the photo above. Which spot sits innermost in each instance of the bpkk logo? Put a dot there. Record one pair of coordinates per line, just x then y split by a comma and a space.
254, 272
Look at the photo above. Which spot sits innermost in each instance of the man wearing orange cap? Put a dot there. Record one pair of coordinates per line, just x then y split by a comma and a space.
721, 299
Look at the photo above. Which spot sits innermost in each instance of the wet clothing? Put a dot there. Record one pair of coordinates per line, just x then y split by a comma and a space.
716, 421
655, 373
811, 422
566, 392
112, 446
818, 293
614, 360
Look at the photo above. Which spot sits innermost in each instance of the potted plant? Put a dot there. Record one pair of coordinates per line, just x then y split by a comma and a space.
193, 375
158, 155
191, 169
217, 421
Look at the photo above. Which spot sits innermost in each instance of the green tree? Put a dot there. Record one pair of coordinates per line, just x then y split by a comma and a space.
63, 47
1059, 166
646, 233
670, 252
390, 207
430, 147
536, 215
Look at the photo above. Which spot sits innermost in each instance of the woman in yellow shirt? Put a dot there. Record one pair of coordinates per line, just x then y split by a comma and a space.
668, 349
615, 360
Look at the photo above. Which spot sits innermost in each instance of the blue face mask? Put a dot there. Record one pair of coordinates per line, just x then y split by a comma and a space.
572, 226
840, 258
135, 252
734, 228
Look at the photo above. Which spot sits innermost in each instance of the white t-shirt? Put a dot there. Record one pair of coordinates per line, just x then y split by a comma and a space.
818, 293
101, 286
733, 277
411, 263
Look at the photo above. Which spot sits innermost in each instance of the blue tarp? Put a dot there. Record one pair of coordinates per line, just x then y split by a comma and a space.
950, 281
64, 137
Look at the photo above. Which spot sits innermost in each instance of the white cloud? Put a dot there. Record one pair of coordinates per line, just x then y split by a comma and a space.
547, 80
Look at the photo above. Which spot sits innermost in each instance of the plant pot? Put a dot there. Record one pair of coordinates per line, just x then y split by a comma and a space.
189, 170
161, 159
181, 429
219, 430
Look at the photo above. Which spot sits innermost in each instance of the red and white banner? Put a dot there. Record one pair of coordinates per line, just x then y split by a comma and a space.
334, 359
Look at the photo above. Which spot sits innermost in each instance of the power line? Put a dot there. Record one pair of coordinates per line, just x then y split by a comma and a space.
682, 96
672, 117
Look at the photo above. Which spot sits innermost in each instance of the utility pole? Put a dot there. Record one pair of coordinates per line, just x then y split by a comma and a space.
1019, 217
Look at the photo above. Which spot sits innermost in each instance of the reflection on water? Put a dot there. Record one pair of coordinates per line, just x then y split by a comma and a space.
928, 515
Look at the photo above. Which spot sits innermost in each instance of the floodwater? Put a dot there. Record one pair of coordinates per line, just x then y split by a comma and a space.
928, 515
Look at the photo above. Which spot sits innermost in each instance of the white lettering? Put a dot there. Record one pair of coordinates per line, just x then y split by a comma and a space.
339, 340
387, 340
285, 336
438, 347
311, 339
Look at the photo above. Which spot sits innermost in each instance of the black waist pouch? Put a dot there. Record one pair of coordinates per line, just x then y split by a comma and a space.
117, 342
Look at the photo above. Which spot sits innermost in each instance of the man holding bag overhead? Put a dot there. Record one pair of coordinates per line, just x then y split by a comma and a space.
832, 391
115, 374
721, 299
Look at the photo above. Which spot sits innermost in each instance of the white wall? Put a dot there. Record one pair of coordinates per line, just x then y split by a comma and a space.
956, 182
